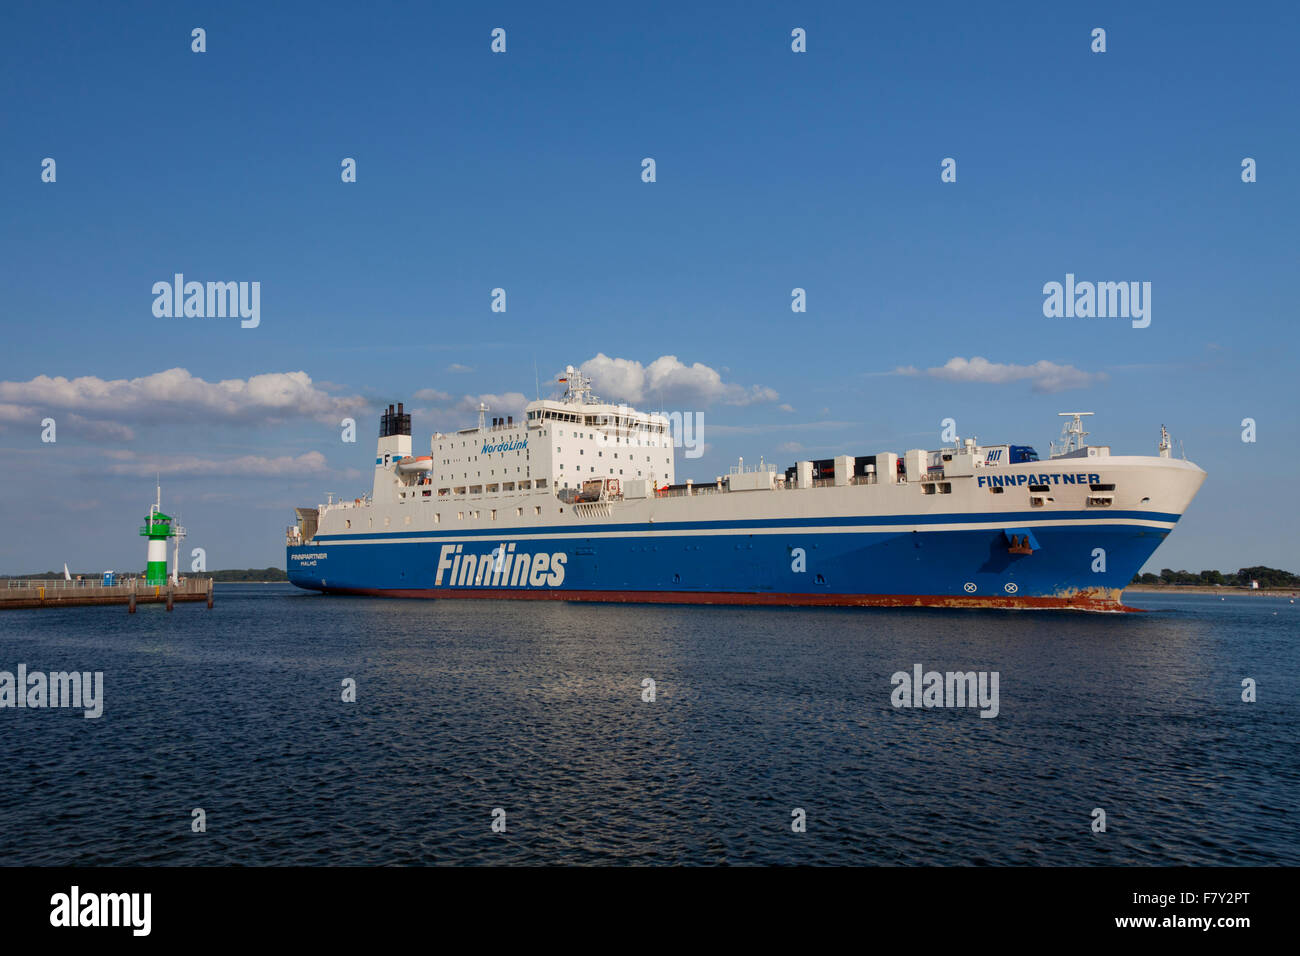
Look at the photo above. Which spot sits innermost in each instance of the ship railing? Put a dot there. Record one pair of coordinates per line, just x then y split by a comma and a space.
827, 482
344, 503
691, 492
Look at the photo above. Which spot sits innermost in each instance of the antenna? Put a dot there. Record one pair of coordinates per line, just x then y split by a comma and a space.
537, 382
178, 532
1072, 433
482, 410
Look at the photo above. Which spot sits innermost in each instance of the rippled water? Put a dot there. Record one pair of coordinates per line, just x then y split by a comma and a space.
536, 708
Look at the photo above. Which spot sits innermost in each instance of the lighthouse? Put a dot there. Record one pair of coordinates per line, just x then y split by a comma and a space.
157, 528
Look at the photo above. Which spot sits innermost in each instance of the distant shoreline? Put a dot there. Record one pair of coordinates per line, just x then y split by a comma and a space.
1214, 589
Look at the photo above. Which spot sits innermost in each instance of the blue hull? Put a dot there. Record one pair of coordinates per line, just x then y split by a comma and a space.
1069, 565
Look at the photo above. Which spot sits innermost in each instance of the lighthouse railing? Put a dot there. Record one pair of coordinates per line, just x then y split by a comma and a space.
120, 584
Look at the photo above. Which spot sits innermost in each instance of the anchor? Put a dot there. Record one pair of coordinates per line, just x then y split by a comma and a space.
1020, 543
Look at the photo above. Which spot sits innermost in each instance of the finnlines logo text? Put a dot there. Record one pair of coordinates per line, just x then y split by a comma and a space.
502, 567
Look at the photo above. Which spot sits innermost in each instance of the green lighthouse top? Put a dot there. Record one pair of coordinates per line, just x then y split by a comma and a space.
157, 525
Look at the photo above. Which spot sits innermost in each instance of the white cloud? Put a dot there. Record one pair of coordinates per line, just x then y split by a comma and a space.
507, 403
64, 424
11, 414
448, 411
176, 396
1043, 375
245, 466
668, 381
100, 430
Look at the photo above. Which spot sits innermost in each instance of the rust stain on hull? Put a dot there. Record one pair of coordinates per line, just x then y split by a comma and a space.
1098, 600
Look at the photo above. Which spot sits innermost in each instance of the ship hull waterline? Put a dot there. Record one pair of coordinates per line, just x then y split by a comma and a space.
1104, 602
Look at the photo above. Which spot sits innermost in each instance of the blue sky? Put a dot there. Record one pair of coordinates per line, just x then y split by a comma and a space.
522, 170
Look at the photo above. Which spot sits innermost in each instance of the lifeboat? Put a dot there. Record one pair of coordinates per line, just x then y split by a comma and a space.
410, 465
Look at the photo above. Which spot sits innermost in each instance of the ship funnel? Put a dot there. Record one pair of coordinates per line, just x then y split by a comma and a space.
395, 421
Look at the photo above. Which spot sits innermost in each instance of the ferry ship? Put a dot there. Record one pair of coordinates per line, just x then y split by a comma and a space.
578, 501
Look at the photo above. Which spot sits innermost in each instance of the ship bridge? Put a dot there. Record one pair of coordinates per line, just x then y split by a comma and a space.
559, 444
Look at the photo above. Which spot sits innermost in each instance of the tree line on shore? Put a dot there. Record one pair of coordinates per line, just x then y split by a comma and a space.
1267, 578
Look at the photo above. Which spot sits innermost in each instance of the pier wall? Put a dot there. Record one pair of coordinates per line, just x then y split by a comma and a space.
15, 595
